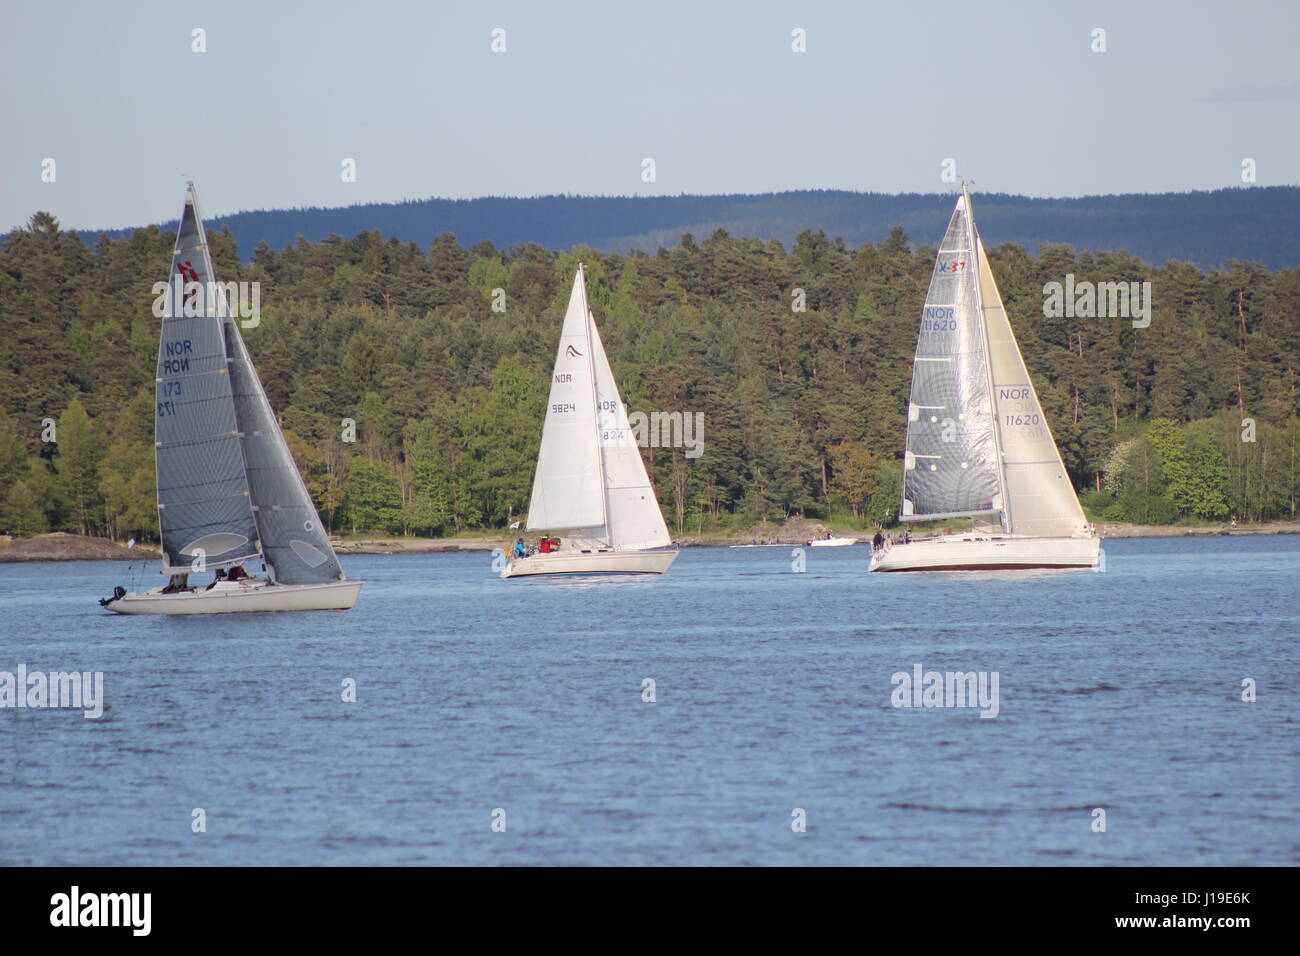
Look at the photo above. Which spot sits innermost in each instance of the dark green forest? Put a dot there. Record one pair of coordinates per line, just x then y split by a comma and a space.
804, 410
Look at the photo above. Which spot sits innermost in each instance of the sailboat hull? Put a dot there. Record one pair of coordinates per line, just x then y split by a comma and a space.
832, 542
988, 553
595, 562
257, 595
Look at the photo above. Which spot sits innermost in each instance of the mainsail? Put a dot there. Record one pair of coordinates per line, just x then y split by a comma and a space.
568, 487
590, 476
950, 466
1040, 500
204, 510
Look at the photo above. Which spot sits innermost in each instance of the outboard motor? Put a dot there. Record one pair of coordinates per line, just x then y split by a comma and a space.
119, 592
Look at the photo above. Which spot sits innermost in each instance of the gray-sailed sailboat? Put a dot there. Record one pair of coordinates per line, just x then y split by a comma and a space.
228, 488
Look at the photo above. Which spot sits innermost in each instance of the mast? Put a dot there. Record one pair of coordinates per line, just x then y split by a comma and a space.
595, 404
975, 253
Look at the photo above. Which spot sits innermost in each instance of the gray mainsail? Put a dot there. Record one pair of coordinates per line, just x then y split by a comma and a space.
951, 466
296, 547
204, 511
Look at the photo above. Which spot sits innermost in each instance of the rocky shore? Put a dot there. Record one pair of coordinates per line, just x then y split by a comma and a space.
70, 547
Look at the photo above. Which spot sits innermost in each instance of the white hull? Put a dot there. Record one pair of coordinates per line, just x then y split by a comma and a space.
229, 597
832, 542
976, 552
591, 562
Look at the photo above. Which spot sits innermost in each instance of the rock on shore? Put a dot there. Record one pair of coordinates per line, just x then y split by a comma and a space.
70, 547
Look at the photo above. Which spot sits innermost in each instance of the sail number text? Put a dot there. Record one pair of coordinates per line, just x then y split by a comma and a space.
939, 320
182, 348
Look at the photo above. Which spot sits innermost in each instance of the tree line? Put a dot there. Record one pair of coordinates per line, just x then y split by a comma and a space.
411, 383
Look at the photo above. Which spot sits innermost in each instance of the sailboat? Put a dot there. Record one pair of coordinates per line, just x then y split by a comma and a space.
228, 488
591, 483
978, 443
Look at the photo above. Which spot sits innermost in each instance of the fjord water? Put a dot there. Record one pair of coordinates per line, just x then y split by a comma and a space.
1119, 690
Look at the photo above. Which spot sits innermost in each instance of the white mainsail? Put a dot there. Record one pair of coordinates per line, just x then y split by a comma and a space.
568, 487
1040, 499
590, 478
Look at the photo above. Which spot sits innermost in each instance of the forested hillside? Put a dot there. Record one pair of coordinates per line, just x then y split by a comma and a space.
804, 411
1259, 224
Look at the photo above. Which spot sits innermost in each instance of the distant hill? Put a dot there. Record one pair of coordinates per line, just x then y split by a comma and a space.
1260, 224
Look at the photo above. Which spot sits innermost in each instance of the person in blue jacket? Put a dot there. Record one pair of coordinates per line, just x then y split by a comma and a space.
520, 550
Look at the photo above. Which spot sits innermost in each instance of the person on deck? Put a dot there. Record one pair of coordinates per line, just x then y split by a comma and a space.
877, 542
520, 550
177, 582
544, 546
237, 573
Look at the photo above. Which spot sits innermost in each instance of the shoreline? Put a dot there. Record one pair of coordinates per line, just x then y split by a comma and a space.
61, 546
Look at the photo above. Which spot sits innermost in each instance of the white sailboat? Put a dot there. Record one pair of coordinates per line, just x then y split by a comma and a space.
978, 443
228, 488
591, 484
832, 542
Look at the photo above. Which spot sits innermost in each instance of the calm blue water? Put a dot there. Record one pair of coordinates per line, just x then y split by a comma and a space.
1118, 690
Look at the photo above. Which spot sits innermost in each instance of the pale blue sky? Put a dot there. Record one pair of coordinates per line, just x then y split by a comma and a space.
585, 91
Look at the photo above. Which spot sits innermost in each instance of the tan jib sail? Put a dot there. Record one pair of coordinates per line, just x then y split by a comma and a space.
1040, 501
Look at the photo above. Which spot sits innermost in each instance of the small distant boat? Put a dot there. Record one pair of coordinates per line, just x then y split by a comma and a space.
591, 483
831, 542
978, 443
228, 488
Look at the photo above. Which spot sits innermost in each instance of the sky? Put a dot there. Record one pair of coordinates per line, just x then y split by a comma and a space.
412, 92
